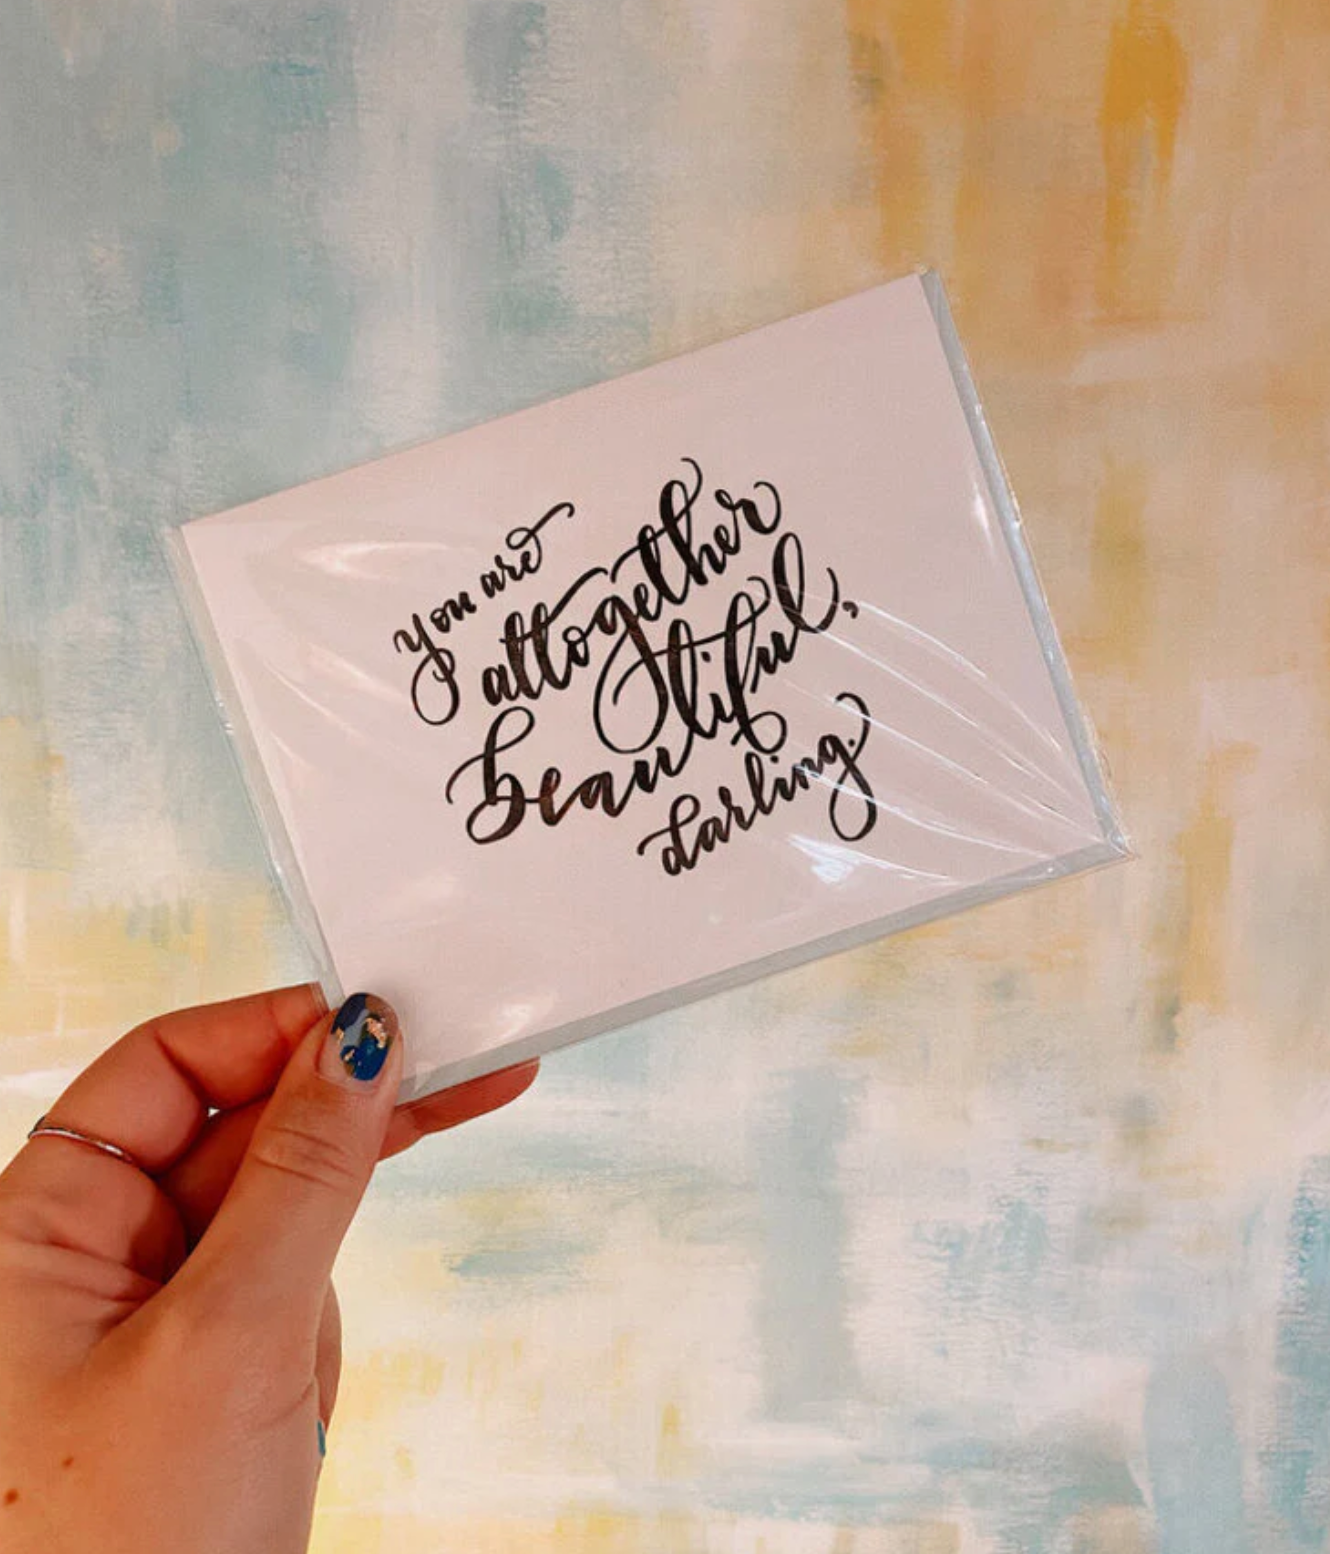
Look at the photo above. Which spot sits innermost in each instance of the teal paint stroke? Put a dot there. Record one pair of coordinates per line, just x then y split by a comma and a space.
808, 1363
1297, 1459
1195, 1460
183, 290
531, 1261
176, 330
540, 185
997, 1266
1027, 1491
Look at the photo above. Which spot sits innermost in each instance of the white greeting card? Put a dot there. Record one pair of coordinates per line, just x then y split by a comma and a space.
635, 695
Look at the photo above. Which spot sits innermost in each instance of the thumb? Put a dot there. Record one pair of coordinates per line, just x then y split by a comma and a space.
272, 1243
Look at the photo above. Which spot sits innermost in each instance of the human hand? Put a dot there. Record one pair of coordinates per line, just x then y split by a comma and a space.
170, 1336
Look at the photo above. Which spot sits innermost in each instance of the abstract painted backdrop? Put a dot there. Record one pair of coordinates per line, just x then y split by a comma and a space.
1012, 1234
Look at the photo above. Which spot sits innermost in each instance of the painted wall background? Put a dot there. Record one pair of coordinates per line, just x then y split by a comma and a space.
1009, 1235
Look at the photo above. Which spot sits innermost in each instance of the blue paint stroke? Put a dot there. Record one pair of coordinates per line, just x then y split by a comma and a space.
176, 334
1026, 1492
1297, 1463
807, 1360
996, 1272
1195, 1460
537, 160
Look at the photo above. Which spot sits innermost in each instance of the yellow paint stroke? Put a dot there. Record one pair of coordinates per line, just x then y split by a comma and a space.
1020, 204
73, 974
671, 1454
36, 823
595, 1530
386, 1378
1112, 1530
75, 970
988, 211
617, 1532
899, 1538
1119, 618
1205, 850
902, 65
1145, 90
1297, 18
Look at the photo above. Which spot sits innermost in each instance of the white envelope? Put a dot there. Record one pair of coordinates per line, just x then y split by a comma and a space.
679, 680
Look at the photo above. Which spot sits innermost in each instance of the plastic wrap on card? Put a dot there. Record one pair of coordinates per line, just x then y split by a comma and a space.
641, 693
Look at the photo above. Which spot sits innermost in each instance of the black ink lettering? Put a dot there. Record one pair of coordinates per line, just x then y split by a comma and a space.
656, 694
437, 668
525, 542
689, 835
444, 616
501, 791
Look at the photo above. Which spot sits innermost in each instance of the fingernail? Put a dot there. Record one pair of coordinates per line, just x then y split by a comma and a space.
362, 1033
323, 1440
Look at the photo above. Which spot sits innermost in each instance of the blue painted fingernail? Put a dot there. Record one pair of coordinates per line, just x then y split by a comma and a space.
323, 1440
363, 1031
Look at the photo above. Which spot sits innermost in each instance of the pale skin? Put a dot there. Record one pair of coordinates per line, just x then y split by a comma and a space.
169, 1336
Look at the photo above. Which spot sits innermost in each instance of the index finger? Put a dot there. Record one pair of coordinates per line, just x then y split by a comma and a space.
152, 1091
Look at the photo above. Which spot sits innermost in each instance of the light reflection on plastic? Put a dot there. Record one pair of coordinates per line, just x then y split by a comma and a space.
983, 516
833, 862
347, 558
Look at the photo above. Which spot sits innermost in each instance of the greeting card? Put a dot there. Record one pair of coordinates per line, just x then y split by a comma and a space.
679, 680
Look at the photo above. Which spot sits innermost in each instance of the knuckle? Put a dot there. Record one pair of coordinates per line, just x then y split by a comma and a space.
306, 1144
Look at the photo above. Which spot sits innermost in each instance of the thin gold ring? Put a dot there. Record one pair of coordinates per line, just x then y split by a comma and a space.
43, 1129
